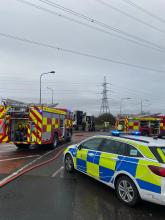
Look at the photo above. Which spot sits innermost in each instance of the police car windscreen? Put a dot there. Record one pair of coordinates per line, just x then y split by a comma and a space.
159, 153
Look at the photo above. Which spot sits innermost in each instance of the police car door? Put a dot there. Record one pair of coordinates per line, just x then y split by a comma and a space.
109, 157
89, 155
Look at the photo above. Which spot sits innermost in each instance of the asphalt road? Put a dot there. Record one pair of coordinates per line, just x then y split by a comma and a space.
48, 192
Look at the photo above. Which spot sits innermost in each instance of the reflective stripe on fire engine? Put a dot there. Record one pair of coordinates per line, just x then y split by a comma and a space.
36, 117
56, 111
126, 123
4, 138
3, 110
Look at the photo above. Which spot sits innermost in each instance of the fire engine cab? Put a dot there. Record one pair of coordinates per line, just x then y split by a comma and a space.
24, 125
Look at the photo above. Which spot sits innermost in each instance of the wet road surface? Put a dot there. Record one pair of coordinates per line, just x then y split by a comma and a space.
48, 192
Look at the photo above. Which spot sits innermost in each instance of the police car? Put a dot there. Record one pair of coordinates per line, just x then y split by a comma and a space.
132, 165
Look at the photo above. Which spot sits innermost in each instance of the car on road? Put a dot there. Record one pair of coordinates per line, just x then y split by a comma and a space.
132, 165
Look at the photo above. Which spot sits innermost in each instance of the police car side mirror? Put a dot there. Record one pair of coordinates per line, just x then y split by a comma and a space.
79, 147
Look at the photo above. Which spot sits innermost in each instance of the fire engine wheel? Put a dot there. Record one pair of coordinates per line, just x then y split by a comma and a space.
22, 146
69, 137
55, 141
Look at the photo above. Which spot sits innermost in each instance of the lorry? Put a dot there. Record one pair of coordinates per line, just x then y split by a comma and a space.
147, 126
83, 122
24, 125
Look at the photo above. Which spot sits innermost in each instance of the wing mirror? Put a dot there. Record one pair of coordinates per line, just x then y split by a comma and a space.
79, 147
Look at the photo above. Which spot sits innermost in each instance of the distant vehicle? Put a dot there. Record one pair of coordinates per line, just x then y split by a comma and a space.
25, 125
132, 165
162, 125
148, 126
90, 123
78, 121
83, 122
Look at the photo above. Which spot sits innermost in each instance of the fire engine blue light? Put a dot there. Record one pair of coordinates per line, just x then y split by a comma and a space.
136, 133
115, 133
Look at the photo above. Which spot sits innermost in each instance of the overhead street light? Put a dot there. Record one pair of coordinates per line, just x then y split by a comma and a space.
141, 104
52, 90
42, 74
121, 103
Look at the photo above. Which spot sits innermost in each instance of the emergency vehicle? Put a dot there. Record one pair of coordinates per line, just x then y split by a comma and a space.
25, 125
162, 125
148, 126
132, 165
83, 122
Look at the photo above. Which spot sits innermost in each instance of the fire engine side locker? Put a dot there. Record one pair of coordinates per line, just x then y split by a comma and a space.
53, 121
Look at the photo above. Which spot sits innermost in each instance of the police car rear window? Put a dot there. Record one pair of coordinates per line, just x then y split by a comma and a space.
163, 149
116, 147
159, 153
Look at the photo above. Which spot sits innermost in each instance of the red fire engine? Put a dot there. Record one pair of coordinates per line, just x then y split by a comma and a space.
27, 125
148, 126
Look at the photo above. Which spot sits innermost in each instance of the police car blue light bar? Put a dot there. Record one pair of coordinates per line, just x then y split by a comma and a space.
137, 133
119, 133
115, 133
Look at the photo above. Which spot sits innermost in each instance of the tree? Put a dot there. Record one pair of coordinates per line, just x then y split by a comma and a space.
107, 117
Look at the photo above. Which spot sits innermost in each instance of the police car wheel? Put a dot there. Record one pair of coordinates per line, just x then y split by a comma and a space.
126, 191
69, 165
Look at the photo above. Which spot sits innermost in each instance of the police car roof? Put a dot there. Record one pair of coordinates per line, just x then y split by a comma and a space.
147, 141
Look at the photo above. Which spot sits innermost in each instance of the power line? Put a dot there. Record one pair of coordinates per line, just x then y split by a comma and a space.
89, 26
89, 19
144, 10
84, 84
48, 82
130, 16
99, 23
79, 53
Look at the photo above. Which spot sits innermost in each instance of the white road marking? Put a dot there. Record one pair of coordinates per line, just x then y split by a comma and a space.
57, 172
19, 158
24, 167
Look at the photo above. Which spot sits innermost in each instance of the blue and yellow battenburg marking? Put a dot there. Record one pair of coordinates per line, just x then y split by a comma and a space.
103, 166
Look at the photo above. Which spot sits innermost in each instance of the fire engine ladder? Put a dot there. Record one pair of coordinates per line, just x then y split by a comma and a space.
13, 103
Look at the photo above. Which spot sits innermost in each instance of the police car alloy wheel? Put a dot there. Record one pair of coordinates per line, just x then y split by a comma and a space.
69, 166
127, 191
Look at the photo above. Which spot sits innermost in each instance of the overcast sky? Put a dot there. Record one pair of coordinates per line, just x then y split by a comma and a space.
78, 79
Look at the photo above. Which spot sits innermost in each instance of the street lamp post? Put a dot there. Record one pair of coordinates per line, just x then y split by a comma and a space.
141, 104
52, 90
42, 74
121, 102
